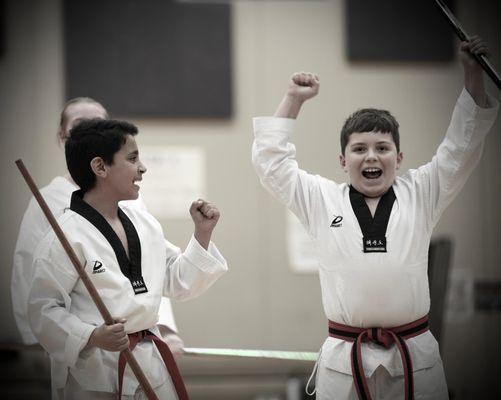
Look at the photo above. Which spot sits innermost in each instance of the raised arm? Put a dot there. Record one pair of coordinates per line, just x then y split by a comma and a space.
473, 72
460, 151
205, 216
192, 272
274, 154
302, 86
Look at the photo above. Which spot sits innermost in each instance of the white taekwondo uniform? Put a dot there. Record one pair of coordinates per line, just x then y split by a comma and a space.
34, 225
374, 289
62, 315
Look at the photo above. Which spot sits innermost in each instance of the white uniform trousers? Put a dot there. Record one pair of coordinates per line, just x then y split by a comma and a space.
429, 384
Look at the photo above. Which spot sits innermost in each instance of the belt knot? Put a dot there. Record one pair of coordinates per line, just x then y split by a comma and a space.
384, 337
379, 336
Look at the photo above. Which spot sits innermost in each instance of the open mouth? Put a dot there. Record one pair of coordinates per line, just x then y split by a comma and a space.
372, 173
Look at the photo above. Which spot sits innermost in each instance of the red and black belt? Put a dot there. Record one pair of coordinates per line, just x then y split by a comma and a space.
167, 357
384, 337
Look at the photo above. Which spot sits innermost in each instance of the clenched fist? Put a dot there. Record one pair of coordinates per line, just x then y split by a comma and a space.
303, 86
205, 216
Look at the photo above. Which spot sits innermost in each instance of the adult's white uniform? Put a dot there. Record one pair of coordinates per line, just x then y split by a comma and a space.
384, 289
62, 315
34, 225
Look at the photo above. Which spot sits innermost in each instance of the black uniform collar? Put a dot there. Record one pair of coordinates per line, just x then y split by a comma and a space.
372, 227
130, 267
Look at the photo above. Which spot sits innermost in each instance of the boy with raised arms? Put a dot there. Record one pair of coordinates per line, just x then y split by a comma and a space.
372, 235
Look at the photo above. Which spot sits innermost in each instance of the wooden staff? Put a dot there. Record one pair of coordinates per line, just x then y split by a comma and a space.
108, 319
461, 33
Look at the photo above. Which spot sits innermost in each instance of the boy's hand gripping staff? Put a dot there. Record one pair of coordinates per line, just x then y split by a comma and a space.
461, 33
108, 319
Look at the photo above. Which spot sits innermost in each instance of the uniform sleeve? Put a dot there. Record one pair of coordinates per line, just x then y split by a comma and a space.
273, 157
32, 229
61, 334
441, 179
192, 272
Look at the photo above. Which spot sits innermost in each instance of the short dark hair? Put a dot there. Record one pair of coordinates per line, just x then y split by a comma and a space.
94, 138
370, 120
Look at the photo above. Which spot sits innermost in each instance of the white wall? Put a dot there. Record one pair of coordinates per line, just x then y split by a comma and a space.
260, 303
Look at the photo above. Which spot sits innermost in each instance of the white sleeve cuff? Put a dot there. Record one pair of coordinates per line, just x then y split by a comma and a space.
273, 124
75, 342
467, 103
206, 260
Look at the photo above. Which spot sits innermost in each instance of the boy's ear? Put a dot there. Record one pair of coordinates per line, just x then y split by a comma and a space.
342, 162
400, 157
98, 167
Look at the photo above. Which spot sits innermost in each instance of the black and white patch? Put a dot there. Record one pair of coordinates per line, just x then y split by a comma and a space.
373, 228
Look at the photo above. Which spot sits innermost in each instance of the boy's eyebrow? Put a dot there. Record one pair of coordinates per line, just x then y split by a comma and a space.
134, 153
365, 144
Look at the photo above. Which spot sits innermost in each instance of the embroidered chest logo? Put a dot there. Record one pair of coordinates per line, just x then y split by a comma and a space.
97, 268
337, 221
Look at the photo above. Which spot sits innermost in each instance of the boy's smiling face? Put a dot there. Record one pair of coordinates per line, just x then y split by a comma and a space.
371, 160
127, 169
